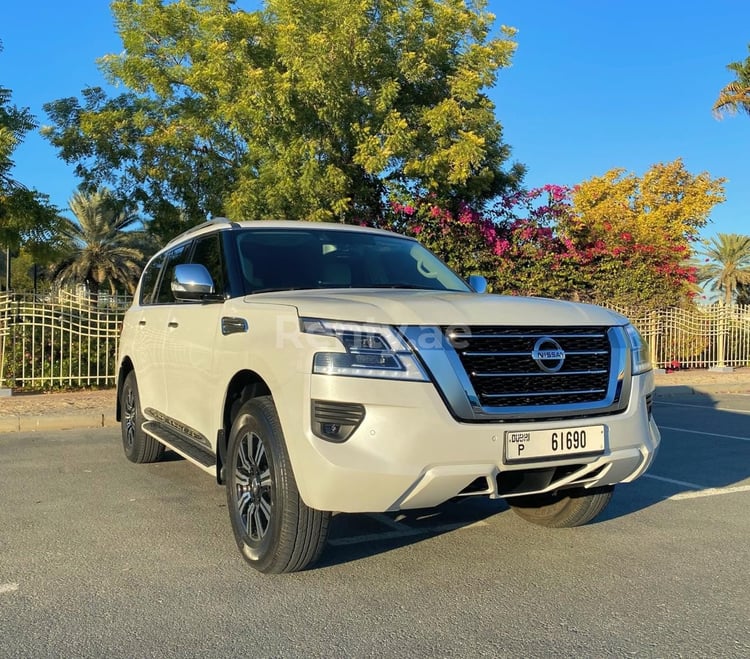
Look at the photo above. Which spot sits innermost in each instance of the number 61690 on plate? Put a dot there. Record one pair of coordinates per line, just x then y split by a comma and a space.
554, 443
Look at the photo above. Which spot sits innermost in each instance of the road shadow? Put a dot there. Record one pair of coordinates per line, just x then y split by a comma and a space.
356, 536
703, 447
705, 444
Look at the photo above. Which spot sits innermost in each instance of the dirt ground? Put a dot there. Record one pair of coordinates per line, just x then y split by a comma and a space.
72, 402
66, 402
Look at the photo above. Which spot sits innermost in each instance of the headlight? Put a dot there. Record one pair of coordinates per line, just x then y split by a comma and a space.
639, 351
372, 351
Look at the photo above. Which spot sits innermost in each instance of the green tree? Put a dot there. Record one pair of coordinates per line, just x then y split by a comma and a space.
635, 234
743, 294
26, 216
735, 96
103, 246
727, 264
305, 109
616, 239
28, 274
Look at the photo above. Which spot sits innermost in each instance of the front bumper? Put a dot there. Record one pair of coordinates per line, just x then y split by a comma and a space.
409, 452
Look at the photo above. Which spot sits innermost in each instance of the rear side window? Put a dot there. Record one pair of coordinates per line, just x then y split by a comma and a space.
173, 258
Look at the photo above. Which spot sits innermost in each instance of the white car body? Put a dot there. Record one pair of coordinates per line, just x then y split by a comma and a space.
424, 436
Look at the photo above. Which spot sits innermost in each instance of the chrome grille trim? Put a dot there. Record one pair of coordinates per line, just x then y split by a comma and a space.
540, 374
468, 401
554, 335
532, 394
528, 354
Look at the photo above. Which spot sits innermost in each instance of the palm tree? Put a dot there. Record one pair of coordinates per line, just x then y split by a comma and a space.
101, 248
727, 264
736, 95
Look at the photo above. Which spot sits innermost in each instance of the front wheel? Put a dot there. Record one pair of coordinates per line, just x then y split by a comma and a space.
274, 529
562, 509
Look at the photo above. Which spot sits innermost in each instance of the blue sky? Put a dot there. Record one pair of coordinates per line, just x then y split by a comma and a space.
595, 84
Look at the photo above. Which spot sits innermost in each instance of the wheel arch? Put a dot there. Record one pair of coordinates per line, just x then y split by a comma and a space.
244, 386
125, 368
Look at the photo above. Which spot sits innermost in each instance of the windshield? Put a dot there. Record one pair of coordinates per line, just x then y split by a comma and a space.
289, 259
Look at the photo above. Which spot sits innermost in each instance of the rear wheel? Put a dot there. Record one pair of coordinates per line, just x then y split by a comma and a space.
138, 446
274, 529
563, 509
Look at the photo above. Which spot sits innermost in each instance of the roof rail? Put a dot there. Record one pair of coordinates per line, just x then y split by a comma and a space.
208, 223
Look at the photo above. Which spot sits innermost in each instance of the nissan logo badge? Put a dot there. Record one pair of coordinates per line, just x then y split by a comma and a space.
548, 354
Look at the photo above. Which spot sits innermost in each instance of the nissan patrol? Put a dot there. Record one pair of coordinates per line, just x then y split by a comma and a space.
314, 367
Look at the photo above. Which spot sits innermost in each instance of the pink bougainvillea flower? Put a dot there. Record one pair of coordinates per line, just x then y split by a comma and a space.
501, 246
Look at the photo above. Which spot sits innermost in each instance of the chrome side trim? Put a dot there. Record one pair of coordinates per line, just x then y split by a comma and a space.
186, 431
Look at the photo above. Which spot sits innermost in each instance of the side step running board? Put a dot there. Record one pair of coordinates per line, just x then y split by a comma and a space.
176, 440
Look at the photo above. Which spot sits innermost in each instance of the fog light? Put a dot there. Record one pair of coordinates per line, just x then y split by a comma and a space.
335, 422
330, 429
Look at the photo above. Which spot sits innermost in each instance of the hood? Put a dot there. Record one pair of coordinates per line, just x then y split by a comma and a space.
408, 307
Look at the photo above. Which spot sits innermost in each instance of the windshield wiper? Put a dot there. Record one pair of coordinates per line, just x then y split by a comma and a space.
282, 288
407, 286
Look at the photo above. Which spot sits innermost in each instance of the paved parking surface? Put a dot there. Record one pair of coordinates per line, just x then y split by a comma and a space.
99, 557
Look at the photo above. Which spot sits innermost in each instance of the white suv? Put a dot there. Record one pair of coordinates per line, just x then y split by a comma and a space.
315, 367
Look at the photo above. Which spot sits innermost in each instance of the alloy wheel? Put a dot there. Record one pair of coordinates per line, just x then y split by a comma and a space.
252, 486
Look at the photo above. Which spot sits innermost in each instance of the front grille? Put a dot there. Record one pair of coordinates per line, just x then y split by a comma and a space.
504, 371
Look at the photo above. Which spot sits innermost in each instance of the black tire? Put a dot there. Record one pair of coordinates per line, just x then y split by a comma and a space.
564, 509
274, 529
138, 446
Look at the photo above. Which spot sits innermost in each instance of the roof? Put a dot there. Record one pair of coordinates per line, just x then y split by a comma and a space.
225, 224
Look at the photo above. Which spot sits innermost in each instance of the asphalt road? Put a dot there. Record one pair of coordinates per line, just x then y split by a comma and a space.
99, 557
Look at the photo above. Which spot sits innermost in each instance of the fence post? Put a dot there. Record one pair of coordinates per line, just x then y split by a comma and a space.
2, 347
721, 336
653, 336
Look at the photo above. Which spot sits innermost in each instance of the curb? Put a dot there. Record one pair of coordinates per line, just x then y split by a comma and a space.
39, 422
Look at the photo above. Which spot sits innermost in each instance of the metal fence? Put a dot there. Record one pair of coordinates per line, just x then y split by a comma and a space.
59, 339
718, 335
70, 340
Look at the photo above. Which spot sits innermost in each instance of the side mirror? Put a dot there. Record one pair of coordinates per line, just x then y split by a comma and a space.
478, 283
191, 282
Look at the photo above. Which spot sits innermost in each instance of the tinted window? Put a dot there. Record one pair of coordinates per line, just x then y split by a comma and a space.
173, 258
149, 279
273, 259
207, 252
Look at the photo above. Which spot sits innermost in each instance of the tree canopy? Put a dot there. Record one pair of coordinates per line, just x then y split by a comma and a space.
727, 264
637, 233
26, 216
305, 109
104, 245
616, 239
735, 96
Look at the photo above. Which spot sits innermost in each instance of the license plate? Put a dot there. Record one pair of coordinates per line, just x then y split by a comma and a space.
557, 443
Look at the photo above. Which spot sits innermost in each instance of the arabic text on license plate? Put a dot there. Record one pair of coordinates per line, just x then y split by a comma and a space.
556, 443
